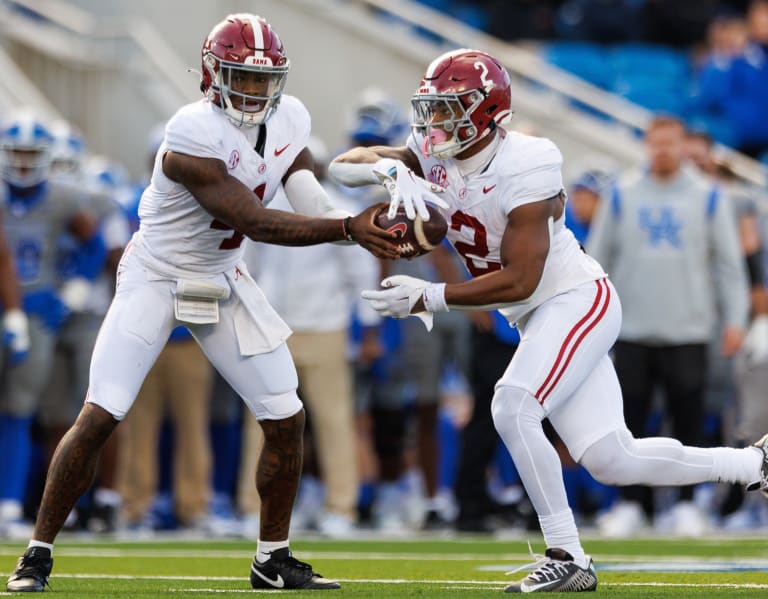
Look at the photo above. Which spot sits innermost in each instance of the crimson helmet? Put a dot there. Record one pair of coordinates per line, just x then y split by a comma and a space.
240, 51
462, 97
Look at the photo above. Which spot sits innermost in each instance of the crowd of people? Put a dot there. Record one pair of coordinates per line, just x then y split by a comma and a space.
193, 300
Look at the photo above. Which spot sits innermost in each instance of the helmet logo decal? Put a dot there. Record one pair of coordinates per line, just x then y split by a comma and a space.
234, 160
488, 84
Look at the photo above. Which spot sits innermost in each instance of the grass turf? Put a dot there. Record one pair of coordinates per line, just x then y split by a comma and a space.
466, 567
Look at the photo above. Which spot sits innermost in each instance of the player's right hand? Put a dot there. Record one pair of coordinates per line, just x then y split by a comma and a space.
16, 335
408, 189
373, 238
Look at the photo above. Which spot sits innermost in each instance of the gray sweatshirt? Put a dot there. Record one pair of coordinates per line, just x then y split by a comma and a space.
672, 251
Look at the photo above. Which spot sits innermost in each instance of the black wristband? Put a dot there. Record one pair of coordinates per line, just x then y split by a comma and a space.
346, 229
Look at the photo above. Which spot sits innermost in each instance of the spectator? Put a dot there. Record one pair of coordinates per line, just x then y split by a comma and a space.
660, 235
735, 87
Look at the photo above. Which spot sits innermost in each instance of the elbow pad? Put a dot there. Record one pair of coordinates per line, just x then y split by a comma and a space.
353, 174
308, 197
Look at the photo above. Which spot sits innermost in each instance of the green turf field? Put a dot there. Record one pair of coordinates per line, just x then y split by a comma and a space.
420, 567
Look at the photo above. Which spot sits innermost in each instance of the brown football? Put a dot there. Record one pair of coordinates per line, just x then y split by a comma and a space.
415, 237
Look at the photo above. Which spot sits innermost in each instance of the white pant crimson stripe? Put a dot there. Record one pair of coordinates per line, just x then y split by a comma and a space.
574, 338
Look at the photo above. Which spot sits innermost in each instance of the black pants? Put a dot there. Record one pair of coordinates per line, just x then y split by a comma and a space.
490, 357
680, 371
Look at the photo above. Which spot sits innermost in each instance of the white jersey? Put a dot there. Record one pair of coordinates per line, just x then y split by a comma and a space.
177, 235
525, 169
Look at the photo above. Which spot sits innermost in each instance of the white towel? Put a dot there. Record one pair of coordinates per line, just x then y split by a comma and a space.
258, 326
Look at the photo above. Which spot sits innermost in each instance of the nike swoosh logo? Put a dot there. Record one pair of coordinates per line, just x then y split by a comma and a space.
281, 150
532, 588
278, 583
487, 189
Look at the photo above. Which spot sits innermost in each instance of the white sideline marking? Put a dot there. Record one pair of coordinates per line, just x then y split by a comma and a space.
461, 583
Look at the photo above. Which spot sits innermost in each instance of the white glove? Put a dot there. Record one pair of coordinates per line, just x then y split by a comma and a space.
75, 292
755, 345
398, 298
16, 334
404, 186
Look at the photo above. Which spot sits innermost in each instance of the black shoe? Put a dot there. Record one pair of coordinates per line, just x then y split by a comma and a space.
32, 571
556, 572
283, 571
435, 521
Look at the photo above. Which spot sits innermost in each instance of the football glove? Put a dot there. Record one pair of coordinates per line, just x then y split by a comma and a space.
405, 187
398, 298
16, 335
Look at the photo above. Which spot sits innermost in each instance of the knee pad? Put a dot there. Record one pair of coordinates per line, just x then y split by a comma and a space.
514, 402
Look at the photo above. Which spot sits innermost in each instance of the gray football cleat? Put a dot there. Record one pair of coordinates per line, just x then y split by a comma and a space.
556, 572
762, 484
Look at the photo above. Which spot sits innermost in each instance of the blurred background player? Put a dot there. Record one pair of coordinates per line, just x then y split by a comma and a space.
177, 391
317, 292
37, 211
100, 182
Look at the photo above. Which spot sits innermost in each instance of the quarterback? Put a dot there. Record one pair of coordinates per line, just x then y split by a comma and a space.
220, 164
504, 199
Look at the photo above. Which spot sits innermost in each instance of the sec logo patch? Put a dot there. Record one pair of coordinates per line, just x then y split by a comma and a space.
234, 160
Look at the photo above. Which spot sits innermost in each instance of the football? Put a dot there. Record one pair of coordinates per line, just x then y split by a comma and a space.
414, 237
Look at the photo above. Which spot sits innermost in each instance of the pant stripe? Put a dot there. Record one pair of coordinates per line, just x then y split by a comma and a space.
582, 328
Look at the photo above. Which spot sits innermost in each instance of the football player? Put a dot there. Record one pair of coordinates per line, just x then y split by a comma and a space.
37, 211
506, 220
215, 173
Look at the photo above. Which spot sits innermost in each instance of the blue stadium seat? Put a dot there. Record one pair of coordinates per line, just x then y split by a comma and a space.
583, 59
660, 61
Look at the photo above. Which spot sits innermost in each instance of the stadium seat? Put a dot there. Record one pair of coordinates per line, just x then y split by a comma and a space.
583, 59
662, 62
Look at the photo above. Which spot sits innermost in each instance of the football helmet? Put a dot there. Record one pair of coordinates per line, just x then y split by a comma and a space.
244, 69
379, 120
25, 150
462, 97
69, 149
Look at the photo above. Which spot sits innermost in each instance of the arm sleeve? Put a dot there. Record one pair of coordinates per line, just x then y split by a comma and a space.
307, 196
730, 274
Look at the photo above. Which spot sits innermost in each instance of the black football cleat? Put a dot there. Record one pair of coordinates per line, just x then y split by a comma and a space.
32, 571
556, 572
283, 571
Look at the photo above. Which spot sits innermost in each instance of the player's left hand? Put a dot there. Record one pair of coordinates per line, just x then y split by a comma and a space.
401, 294
406, 188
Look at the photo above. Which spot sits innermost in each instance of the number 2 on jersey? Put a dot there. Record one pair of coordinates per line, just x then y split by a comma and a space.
236, 239
478, 249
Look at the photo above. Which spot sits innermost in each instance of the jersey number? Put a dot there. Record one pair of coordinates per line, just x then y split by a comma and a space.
478, 249
236, 239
